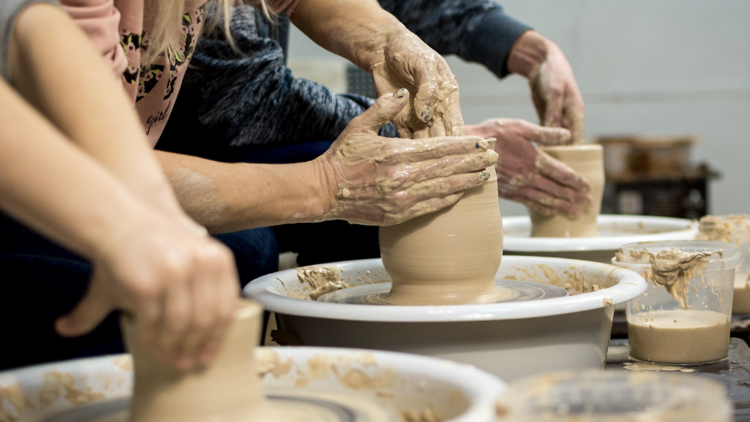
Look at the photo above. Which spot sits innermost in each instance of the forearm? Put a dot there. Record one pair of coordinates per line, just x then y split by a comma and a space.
50, 185
89, 106
347, 28
475, 30
229, 197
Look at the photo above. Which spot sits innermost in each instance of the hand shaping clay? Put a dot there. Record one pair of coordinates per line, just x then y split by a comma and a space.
448, 257
586, 160
228, 390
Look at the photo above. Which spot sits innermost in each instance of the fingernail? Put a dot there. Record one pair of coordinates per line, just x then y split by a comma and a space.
482, 144
484, 176
425, 114
400, 93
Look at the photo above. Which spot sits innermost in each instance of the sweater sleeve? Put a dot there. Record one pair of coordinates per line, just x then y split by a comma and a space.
475, 30
248, 97
9, 11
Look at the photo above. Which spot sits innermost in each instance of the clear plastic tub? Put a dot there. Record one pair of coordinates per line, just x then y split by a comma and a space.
615, 396
688, 322
734, 229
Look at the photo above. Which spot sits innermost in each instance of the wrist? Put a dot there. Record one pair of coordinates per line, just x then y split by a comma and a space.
323, 186
528, 53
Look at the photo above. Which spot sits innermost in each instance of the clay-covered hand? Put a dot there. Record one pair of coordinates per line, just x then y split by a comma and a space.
528, 175
401, 60
384, 181
178, 284
554, 90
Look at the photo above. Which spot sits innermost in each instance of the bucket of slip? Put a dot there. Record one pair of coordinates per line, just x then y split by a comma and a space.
685, 314
734, 229
615, 396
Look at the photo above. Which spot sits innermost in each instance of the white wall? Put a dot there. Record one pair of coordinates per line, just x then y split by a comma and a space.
643, 66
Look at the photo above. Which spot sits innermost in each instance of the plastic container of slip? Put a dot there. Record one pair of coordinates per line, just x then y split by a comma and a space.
684, 315
609, 396
734, 229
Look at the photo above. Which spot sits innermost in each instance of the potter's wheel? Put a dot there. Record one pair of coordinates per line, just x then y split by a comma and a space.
614, 231
506, 291
288, 404
510, 339
324, 384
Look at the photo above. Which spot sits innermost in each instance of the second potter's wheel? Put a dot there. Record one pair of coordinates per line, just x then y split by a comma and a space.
288, 404
614, 232
508, 291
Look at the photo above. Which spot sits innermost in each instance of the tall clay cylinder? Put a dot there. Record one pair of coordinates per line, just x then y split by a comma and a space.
228, 390
448, 257
587, 161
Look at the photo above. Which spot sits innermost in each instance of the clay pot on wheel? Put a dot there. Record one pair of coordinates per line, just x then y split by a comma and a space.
448, 257
228, 390
586, 160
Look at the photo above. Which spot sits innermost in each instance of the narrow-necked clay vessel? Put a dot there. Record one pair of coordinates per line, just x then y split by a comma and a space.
448, 257
586, 160
228, 390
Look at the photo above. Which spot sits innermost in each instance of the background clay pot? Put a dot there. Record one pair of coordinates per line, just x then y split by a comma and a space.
448, 257
586, 160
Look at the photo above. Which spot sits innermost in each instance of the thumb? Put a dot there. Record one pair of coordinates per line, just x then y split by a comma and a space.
551, 136
88, 313
384, 110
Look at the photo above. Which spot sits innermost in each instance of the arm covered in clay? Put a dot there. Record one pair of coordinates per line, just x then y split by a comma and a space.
363, 178
476, 30
480, 31
374, 40
179, 284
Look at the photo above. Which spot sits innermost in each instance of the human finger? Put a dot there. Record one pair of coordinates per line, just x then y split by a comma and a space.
548, 136
560, 173
573, 115
444, 186
383, 111
553, 108
431, 148
204, 316
578, 199
88, 313
176, 318
427, 96
422, 208
544, 199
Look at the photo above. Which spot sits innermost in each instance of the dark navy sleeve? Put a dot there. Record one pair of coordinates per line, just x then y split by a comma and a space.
246, 96
475, 30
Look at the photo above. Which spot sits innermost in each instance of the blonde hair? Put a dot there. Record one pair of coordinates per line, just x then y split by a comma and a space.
165, 19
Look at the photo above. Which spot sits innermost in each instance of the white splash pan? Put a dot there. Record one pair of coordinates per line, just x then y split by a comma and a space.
461, 393
615, 231
509, 340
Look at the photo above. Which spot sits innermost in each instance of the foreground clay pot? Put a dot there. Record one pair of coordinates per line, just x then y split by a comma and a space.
228, 390
448, 257
586, 160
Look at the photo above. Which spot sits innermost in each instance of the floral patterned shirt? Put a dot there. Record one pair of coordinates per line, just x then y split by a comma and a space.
120, 31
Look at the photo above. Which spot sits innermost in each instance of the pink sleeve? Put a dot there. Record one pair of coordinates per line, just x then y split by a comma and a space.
99, 19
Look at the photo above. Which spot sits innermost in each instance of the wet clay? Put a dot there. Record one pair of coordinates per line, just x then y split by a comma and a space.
672, 268
448, 257
680, 337
321, 280
586, 160
228, 390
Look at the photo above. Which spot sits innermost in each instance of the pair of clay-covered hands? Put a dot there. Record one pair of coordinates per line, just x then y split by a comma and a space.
384, 181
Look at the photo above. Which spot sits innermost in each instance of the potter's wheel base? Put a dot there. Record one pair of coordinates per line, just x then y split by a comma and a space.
508, 291
286, 404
